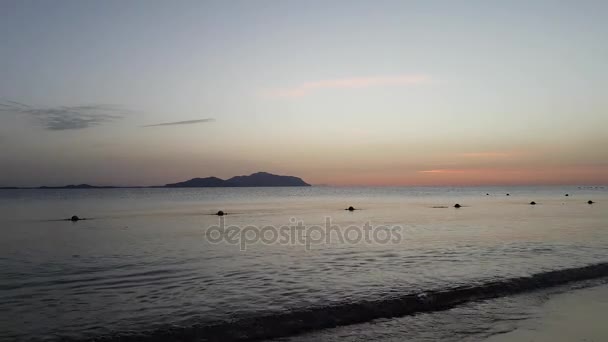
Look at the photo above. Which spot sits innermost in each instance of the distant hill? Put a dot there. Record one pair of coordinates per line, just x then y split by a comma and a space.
208, 182
253, 180
79, 186
265, 179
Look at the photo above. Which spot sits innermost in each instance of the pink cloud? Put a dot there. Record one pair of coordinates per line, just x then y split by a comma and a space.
486, 154
442, 171
350, 83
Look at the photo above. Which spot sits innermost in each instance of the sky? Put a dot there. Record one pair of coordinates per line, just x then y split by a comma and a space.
335, 92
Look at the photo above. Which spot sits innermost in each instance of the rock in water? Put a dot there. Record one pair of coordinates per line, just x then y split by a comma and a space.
220, 213
75, 218
532, 203
351, 209
457, 205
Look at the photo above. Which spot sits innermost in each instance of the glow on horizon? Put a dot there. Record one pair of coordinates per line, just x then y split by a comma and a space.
484, 177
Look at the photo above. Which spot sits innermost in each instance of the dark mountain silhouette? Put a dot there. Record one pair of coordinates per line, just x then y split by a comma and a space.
79, 186
253, 180
208, 182
265, 179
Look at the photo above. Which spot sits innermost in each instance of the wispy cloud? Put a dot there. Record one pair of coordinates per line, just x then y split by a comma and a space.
443, 171
67, 117
356, 82
187, 122
486, 155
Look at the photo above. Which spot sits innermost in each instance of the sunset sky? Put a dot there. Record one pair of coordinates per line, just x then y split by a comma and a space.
335, 92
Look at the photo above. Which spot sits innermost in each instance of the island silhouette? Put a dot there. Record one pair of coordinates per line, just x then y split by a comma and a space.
258, 179
254, 179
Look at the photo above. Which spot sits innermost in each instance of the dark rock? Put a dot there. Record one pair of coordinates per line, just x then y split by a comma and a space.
220, 213
532, 203
75, 218
457, 205
351, 209
590, 202
566, 195
508, 195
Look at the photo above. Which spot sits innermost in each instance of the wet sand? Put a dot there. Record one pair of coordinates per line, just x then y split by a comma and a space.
579, 315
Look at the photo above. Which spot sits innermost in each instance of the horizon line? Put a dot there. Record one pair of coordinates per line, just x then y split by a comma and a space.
110, 186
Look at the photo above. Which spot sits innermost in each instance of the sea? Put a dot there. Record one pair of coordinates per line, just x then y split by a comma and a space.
291, 263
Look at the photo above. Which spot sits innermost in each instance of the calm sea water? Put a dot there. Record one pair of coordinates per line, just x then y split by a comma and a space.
142, 261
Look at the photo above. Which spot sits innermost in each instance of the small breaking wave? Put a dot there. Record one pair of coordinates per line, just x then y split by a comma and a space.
309, 319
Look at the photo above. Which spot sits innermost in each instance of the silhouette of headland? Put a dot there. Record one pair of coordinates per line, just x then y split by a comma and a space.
79, 186
258, 179
253, 180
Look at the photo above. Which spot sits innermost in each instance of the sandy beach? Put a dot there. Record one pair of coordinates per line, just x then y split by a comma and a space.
579, 315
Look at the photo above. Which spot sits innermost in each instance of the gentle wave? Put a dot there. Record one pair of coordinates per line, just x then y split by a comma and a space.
302, 321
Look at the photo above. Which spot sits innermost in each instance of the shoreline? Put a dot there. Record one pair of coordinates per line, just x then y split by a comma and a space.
575, 315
